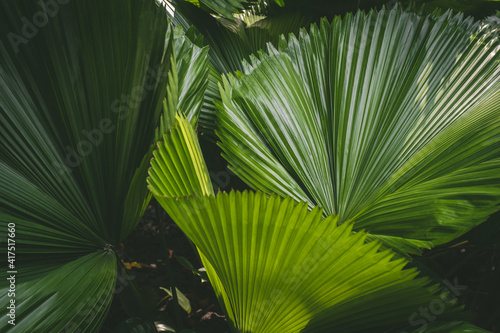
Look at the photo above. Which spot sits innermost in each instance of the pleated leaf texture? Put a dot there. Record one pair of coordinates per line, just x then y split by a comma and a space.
278, 267
82, 85
389, 118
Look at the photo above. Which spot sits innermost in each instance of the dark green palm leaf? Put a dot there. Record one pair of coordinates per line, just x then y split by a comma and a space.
81, 96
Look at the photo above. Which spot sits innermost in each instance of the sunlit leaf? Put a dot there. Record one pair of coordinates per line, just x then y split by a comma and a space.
389, 118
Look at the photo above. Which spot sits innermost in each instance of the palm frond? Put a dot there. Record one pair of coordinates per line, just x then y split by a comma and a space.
275, 265
72, 297
80, 100
384, 118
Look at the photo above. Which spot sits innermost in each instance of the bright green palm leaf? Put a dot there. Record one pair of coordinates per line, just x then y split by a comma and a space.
283, 269
275, 265
180, 151
385, 115
92, 77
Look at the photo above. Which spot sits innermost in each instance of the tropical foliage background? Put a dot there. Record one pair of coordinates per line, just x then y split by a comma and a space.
363, 139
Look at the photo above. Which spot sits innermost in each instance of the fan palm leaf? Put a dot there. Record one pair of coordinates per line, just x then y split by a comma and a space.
389, 118
81, 97
275, 265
